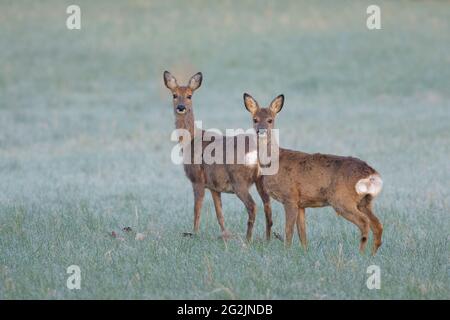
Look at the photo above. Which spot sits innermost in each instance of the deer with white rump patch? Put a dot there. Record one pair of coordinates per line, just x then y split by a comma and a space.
217, 177
305, 180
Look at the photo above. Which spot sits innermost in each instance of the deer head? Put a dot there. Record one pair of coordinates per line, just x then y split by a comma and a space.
263, 123
182, 99
263, 118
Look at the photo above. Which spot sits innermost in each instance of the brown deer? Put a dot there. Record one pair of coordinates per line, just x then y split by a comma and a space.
305, 180
217, 177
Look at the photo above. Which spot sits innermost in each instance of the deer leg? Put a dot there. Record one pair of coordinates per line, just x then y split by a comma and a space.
301, 227
291, 212
219, 214
377, 228
199, 194
352, 214
250, 205
267, 207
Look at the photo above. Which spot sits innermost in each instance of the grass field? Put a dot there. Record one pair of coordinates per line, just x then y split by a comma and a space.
85, 126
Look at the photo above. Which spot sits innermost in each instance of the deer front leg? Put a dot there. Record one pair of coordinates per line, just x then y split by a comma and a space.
250, 205
199, 194
219, 214
301, 227
267, 207
291, 212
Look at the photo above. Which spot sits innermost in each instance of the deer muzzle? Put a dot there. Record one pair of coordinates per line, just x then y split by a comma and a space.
262, 133
181, 109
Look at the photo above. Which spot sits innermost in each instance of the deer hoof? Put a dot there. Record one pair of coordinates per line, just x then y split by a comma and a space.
188, 234
278, 236
225, 235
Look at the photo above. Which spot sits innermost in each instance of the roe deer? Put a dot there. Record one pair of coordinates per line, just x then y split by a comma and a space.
218, 178
305, 180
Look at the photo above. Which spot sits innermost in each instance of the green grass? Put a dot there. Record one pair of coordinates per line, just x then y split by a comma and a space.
84, 145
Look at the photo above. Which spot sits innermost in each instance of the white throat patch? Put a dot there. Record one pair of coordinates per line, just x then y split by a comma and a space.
251, 158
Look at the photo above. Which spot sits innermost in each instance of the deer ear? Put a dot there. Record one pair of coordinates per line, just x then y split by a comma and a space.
170, 81
250, 103
277, 104
196, 81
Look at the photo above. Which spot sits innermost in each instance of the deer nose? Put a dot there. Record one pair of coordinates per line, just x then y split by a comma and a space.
181, 109
261, 132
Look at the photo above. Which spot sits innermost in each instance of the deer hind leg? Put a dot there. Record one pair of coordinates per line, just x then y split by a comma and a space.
267, 207
352, 214
244, 195
291, 212
199, 194
301, 227
365, 206
219, 214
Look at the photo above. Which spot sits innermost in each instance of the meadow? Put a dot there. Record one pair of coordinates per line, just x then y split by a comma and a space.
85, 124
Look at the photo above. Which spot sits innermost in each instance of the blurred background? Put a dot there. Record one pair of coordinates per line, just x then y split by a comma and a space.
85, 124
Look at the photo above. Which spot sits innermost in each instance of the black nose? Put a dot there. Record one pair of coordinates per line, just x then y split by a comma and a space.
181, 108
261, 131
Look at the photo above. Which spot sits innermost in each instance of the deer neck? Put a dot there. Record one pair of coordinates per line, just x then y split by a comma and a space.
187, 122
268, 151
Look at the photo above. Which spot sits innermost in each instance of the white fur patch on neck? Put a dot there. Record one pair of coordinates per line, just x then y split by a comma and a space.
251, 158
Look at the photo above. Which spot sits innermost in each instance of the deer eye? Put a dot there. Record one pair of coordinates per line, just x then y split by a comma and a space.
255, 120
269, 120
175, 96
189, 97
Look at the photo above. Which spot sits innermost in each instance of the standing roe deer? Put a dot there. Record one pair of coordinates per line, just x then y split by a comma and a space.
305, 180
218, 178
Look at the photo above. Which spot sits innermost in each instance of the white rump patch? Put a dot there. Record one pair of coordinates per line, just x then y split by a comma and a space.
251, 158
371, 185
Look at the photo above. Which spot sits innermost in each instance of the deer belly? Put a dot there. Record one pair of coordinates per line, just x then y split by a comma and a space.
313, 203
220, 186
218, 180
274, 190
313, 197
275, 194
